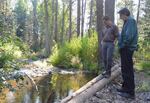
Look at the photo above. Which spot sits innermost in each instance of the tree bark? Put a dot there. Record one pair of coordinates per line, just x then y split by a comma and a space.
83, 16
138, 11
70, 20
35, 26
91, 18
78, 17
110, 9
52, 17
99, 12
47, 31
56, 21
63, 23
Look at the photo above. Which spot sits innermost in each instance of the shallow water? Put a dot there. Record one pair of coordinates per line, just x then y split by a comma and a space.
51, 89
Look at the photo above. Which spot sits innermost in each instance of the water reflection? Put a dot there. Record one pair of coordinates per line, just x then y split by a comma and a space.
38, 100
10, 97
27, 98
51, 89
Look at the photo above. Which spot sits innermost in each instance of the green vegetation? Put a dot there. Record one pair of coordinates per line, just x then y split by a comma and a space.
78, 53
142, 57
143, 66
11, 50
39, 24
143, 54
20, 11
144, 87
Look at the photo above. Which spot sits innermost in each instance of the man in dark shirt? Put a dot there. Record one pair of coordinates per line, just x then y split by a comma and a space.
109, 35
127, 45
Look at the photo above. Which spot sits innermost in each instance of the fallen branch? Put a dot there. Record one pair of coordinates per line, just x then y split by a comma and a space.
33, 82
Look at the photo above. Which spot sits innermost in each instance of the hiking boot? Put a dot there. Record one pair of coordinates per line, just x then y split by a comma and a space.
126, 95
120, 90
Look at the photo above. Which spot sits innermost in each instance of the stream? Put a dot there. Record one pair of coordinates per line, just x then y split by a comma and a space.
52, 88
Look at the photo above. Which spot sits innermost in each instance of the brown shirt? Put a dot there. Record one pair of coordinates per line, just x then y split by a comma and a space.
110, 33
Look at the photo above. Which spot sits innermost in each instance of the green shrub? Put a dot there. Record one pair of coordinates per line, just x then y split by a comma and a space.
142, 56
11, 49
144, 66
79, 53
63, 56
88, 53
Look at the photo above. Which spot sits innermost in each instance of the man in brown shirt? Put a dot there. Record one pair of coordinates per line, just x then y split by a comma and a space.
109, 35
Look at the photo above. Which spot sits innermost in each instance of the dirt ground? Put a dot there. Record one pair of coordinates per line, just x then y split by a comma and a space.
109, 94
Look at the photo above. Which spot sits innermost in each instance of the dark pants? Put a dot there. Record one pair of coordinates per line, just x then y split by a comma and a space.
107, 51
127, 70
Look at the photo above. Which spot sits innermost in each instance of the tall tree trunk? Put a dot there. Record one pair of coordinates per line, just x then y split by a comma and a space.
126, 4
99, 12
35, 26
78, 17
70, 20
91, 17
138, 11
83, 15
0, 6
6, 7
56, 20
63, 23
47, 31
110, 9
52, 17
6, 14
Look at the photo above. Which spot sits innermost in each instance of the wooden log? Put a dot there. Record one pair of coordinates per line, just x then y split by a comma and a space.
82, 97
91, 87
